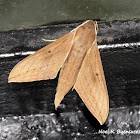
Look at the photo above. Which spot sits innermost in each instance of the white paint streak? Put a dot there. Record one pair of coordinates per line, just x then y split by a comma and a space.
99, 46
119, 45
16, 54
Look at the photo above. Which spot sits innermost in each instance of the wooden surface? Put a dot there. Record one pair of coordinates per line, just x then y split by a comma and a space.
72, 120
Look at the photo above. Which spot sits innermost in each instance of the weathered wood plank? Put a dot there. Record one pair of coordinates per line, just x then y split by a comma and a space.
72, 125
30, 39
121, 68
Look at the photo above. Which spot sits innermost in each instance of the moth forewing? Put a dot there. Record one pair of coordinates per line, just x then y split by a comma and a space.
43, 64
82, 41
91, 85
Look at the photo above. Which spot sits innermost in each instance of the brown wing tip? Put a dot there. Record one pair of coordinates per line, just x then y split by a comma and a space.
103, 117
13, 81
101, 121
56, 103
58, 99
10, 79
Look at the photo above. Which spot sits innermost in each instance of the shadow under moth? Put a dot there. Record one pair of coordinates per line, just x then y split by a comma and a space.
77, 57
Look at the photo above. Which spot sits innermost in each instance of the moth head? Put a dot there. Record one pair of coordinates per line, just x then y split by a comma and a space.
93, 23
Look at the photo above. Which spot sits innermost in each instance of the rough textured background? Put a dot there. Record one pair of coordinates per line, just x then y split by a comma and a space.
28, 13
72, 126
27, 110
30, 39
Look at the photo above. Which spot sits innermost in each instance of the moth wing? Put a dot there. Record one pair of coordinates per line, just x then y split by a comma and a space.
82, 41
44, 63
91, 85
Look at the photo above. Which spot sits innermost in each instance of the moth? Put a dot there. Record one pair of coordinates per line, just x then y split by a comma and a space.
77, 57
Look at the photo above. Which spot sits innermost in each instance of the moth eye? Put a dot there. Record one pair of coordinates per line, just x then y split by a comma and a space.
97, 74
49, 51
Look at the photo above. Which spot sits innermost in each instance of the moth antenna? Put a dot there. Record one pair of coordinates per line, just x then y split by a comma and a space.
48, 40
